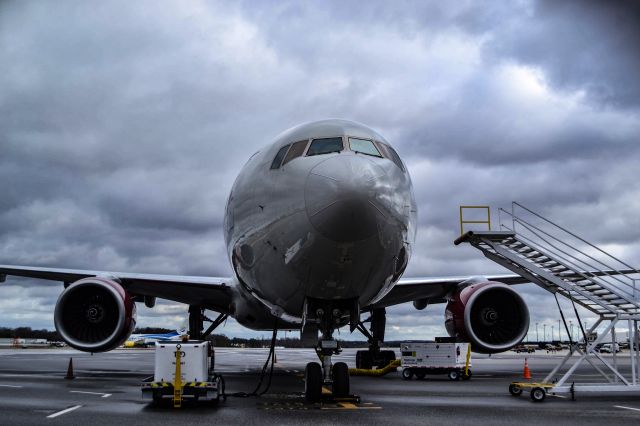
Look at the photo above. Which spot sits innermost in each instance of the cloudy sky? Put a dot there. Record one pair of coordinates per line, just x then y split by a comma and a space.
123, 125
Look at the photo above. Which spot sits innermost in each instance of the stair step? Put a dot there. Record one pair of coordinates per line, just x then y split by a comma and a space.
591, 287
602, 292
617, 302
525, 250
514, 245
533, 254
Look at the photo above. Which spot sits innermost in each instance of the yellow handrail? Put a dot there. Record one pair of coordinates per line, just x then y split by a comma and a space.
462, 221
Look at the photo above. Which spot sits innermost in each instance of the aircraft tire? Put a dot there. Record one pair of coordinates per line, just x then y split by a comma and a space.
387, 357
364, 360
340, 376
313, 382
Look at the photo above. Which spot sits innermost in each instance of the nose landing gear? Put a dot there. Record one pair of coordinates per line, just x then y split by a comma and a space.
335, 375
325, 380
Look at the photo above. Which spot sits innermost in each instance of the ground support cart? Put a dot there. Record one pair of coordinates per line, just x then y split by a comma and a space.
537, 391
421, 358
184, 371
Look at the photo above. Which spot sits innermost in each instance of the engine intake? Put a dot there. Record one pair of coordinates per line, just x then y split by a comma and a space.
490, 315
95, 315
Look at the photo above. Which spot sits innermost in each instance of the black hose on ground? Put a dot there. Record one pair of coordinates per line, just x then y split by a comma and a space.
270, 358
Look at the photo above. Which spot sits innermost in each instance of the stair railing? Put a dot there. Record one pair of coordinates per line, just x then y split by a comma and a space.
582, 265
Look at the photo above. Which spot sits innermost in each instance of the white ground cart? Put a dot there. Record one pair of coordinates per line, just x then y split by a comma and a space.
422, 358
184, 371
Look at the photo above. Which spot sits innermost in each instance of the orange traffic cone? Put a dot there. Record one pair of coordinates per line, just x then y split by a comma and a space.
527, 373
70, 375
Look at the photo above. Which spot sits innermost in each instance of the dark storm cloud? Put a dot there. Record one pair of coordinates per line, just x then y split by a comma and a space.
581, 45
123, 125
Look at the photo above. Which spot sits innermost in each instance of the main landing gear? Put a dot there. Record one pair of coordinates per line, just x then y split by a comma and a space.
196, 323
374, 357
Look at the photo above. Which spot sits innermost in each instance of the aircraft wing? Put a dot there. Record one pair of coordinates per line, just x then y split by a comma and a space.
210, 292
437, 289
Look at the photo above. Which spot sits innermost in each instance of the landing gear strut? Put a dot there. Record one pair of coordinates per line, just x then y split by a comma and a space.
196, 322
334, 375
374, 356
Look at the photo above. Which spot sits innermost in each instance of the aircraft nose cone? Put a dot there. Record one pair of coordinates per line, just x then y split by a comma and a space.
340, 197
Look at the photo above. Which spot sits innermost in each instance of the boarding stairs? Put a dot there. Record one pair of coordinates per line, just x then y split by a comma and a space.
565, 264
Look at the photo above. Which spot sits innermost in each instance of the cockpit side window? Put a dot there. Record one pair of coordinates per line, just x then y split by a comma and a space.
391, 154
364, 146
325, 146
296, 151
279, 156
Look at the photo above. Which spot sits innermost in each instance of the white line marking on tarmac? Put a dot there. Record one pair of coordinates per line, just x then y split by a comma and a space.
10, 386
102, 395
560, 396
65, 411
627, 408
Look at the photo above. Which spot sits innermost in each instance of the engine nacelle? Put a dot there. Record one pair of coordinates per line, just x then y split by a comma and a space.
95, 315
490, 315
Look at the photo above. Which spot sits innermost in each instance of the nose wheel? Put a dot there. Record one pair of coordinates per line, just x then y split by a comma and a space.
313, 382
335, 376
313, 378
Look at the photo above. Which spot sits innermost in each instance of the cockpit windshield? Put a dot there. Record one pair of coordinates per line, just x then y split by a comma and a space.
363, 146
325, 146
279, 156
296, 151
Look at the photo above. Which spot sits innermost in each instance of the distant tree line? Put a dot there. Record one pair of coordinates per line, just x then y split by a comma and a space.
219, 340
29, 333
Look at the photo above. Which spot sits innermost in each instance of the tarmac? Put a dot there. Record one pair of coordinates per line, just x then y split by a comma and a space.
106, 390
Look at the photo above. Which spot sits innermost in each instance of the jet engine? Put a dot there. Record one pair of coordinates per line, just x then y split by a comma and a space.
95, 315
490, 315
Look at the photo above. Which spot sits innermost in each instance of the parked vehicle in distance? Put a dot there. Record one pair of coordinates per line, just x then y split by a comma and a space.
608, 348
524, 348
549, 347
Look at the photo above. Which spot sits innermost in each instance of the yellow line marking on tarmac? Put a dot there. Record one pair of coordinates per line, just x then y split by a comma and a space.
325, 390
349, 406
627, 408
65, 411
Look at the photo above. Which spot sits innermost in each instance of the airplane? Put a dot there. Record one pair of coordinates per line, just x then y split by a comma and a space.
137, 340
319, 227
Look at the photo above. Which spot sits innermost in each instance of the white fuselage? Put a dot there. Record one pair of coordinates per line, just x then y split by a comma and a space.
330, 227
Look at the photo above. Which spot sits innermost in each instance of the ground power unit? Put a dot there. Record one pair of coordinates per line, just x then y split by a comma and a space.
421, 358
184, 371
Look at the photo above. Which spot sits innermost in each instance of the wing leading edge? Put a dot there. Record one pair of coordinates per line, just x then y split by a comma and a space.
214, 293
438, 289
